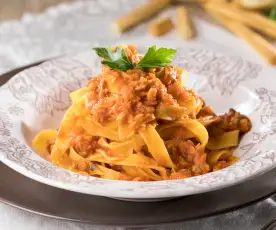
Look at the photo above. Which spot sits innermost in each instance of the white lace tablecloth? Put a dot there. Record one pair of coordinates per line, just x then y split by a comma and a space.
81, 25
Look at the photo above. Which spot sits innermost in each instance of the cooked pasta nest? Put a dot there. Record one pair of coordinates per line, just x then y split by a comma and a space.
141, 125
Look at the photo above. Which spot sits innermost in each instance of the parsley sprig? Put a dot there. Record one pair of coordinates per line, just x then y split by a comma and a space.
272, 13
119, 60
115, 60
157, 57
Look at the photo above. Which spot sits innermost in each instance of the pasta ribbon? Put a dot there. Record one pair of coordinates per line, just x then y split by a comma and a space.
141, 172
122, 149
136, 121
170, 112
76, 95
124, 132
95, 129
193, 127
214, 156
135, 160
109, 173
42, 142
80, 163
138, 142
197, 129
169, 132
59, 153
226, 140
156, 146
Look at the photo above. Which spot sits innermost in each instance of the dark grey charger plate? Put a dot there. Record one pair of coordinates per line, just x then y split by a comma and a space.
22, 192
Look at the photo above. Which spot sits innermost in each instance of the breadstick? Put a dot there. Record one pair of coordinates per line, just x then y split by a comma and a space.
140, 14
189, 1
160, 27
236, 3
261, 45
252, 19
218, 1
257, 4
184, 24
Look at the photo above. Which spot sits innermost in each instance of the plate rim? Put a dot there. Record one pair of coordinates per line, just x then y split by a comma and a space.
136, 224
65, 186
128, 195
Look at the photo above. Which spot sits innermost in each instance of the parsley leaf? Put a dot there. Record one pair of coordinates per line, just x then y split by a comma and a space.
115, 60
119, 60
157, 57
272, 13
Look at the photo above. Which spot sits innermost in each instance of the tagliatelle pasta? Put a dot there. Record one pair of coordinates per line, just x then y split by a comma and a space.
141, 124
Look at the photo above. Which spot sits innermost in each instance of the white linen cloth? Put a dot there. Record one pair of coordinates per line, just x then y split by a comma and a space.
77, 26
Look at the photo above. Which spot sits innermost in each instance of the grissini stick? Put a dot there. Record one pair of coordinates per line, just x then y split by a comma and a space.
160, 27
252, 19
139, 14
261, 45
189, 1
219, 1
184, 23
236, 3
257, 4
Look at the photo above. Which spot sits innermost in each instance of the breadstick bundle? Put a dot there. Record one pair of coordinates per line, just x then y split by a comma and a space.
252, 20
161, 25
140, 14
254, 27
184, 23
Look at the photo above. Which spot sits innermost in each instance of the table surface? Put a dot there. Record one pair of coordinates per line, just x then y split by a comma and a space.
37, 37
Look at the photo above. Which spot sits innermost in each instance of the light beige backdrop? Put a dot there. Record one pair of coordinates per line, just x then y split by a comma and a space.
13, 9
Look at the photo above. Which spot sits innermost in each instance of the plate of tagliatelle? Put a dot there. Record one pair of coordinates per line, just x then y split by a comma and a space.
140, 122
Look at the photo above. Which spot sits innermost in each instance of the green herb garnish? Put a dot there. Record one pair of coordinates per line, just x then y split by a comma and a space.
157, 57
115, 60
120, 61
272, 13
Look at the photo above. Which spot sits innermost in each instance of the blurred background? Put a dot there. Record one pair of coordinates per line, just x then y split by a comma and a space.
14, 9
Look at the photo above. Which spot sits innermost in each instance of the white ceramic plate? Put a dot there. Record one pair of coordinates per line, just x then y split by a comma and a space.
37, 98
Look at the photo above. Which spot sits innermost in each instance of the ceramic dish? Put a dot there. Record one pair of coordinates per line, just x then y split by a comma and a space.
128, 214
49, 201
36, 99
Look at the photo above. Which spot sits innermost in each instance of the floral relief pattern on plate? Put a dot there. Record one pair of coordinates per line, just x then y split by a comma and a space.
5, 124
16, 110
267, 116
46, 88
223, 72
65, 74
